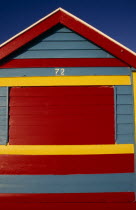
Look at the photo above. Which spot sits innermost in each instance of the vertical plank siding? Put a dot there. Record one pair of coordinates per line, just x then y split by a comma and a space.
3, 115
124, 115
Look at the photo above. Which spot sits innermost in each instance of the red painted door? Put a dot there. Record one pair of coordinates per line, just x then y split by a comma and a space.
61, 115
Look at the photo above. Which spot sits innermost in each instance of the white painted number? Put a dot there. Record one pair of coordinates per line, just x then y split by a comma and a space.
59, 72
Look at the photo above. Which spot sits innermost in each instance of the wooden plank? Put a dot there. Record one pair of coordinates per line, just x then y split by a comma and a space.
67, 206
125, 119
67, 149
64, 91
87, 183
64, 29
59, 100
51, 135
65, 81
124, 99
3, 91
124, 89
124, 197
64, 62
124, 109
66, 164
125, 138
125, 128
59, 110
3, 119
63, 36
68, 71
3, 101
61, 45
63, 54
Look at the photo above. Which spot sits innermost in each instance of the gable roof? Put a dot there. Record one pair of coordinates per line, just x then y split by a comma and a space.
72, 22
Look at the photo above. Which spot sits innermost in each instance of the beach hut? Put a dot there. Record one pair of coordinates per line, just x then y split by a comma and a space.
67, 118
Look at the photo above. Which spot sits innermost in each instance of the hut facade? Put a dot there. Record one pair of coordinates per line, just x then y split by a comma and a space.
67, 118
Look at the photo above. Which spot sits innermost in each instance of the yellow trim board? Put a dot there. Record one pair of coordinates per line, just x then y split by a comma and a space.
67, 149
65, 81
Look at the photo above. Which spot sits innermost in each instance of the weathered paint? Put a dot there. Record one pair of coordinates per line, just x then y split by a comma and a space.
123, 197
67, 71
67, 149
66, 164
65, 81
83, 183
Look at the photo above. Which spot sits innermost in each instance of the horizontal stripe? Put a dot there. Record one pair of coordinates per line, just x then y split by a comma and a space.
63, 29
124, 109
124, 99
67, 44
63, 91
67, 62
59, 110
124, 197
66, 81
72, 164
125, 128
127, 89
64, 54
67, 206
125, 138
68, 71
67, 149
86, 183
63, 36
126, 119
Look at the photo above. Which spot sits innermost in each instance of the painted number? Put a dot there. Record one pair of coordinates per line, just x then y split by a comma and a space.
59, 72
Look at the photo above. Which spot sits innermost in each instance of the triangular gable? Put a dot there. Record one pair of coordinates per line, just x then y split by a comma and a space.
63, 17
61, 42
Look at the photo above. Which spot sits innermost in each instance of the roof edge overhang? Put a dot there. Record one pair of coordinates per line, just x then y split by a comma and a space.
84, 29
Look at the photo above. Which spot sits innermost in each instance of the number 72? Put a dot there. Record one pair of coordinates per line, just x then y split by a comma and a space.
59, 71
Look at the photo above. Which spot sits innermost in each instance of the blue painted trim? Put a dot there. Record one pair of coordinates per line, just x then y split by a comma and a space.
69, 71
125, 138
64, 45
120, 182
64, 54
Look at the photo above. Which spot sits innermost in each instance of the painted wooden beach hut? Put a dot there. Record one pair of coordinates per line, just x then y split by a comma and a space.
67, 118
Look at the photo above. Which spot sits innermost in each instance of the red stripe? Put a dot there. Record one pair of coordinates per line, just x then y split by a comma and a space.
66, 164
68, 197
68, 206
64, 62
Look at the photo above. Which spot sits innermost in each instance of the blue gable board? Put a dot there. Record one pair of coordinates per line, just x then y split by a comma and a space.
62, 43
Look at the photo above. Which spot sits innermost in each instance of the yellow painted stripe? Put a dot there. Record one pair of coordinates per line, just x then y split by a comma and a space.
65, 81
67, 149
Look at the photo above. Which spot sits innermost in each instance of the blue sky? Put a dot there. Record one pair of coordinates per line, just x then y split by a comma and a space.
116, 18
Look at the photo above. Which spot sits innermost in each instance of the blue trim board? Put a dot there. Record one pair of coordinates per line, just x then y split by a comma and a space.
124, 115
3, 115
120, 182
68, 71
